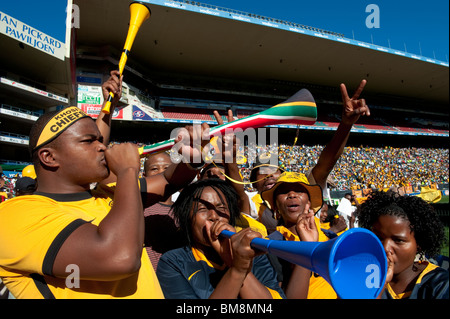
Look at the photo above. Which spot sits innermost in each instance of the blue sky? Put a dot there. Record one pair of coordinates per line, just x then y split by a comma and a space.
48, 16
420, 27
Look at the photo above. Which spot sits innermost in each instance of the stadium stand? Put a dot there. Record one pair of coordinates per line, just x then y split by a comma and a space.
187, 86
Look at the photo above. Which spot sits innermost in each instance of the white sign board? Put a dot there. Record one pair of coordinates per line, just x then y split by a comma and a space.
24, 33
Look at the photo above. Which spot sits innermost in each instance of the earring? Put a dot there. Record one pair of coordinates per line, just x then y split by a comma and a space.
421, 257
277, 215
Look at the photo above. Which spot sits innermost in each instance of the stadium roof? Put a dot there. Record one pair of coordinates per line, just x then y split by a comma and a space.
192, 40
181, 37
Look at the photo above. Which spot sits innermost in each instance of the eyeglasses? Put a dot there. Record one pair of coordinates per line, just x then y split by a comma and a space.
266, 170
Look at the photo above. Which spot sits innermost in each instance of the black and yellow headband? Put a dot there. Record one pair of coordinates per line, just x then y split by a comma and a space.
58, 124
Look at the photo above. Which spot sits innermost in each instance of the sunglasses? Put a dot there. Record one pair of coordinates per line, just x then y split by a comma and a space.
266, 170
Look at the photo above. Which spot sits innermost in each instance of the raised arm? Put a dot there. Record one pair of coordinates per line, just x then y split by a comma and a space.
353, 108
112, 249
113, 84
230, 164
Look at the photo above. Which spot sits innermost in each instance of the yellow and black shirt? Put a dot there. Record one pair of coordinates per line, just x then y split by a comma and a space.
432, 283
319, 288
32, 230
185, 273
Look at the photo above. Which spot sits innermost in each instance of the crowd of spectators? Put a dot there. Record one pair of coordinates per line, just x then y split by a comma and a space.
362, 167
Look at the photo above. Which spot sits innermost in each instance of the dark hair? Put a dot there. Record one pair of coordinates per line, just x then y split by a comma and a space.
210, 166
424, 222
332, 212
25, 186
269, 159
189, 197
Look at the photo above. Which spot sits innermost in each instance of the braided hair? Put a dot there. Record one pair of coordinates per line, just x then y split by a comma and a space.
189, 198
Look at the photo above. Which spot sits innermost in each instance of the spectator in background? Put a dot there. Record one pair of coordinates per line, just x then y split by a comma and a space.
381, 168
4, 192
161, 233
263, 176
212, 170
346, 209
331, 223
25, 186
409, 230
408, 167
352, 109
29, 171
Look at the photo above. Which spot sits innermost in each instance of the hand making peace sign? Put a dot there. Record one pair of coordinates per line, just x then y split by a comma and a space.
353, 107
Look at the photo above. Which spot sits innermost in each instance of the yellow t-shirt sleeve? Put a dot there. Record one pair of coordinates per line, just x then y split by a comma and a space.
32, 229
244, 221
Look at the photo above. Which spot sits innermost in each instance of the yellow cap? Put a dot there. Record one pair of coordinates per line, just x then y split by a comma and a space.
29, 171
314, 191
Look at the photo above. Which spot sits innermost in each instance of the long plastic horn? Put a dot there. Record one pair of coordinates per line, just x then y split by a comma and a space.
139, 12
354, 263
298, 109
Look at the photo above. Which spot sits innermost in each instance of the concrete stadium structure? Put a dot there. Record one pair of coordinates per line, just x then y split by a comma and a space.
191, 58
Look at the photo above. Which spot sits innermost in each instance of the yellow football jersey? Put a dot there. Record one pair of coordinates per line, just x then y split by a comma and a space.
33, 228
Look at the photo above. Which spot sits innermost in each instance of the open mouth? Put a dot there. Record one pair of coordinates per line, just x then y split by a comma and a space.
292, 207
269, 185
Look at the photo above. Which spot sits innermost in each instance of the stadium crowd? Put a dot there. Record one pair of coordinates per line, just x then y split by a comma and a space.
365, 166
358, 167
